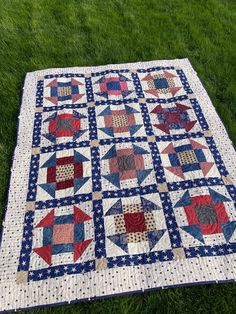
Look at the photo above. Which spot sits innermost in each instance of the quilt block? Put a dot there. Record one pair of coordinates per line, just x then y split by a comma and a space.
123, 180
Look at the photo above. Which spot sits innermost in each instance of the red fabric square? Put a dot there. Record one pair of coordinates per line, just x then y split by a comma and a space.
51, 174
139, 162
221, 212
114, 92
116, 113
103, 87
108, 121
64, 133
113, 165
52, 126
65, 160
127, 174
191, 215
124, 86
76, 125
211, 228
63, 233
131, 119
201, 200
135, 222
78, 170
126, 151
64, 184
172, 117
121, 129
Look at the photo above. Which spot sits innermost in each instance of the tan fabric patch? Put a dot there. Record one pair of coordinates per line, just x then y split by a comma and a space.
119, 223
135, 237
227, 180
149, 221
120, 121
151, 138
207, 133
178, 253
101, 264
187, 157
35, 151
91, 104
97, 195
162, 187
95, 143
30, 206
22, 277
64, 91
132, 208
64, 172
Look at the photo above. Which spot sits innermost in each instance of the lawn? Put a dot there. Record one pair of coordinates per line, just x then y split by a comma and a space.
43, 34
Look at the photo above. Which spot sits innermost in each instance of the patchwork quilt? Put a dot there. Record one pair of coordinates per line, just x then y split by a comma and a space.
123, 180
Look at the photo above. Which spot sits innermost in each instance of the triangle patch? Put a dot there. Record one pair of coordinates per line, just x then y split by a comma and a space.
169, 149
217, 197
47, 221
78, 183
228, 229
113, 178
80, 216
185, 200
195, 231
50, 188
51, 162
80, 247
45, 252
176, 171
143, 174
148, 205
206, 167
154, 236
115, 209
111, 153
120, 240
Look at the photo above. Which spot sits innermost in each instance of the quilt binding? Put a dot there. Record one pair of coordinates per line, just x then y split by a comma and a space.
18, 188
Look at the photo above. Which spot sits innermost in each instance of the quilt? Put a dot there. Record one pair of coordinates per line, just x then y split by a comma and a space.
123, 181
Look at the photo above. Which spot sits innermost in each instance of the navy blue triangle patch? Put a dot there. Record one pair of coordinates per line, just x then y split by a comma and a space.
78, 183
115, 209
113, 178
130, 110
51, 137
52, 117
101, 80
79, 157
106, 112
78, 133
123, 78
154, 236
51, 162
103, 94
78, 115
50, 188
107, 131
195, 231
228, 229
148, 205
217, 197
139, 150
143, 174
125, 93
185, 200
111, 153
120, 240
134, 128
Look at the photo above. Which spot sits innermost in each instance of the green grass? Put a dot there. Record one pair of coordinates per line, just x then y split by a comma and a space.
61, 33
